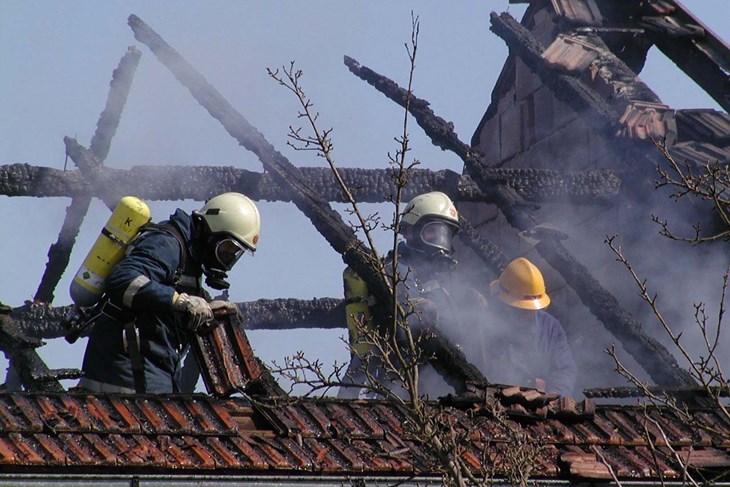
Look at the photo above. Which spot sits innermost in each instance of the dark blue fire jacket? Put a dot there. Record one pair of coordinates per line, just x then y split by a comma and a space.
141, 285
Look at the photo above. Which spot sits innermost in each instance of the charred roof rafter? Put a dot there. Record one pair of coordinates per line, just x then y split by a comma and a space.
648, 352
448, 360
599, 186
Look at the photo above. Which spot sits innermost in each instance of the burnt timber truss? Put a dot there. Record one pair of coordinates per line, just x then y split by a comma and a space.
516, 191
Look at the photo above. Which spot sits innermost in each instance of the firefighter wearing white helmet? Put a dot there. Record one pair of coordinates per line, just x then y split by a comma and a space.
528, 346
230, 226
154, 296
429, 223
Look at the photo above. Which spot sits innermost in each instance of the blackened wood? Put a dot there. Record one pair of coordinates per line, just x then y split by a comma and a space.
367, 185
119, 88
38, 320
486, 250
658, 362
326, 220
706, 60
598, 113
566, 87
680, 392
60, 252
20, 351
91, 167
665, 28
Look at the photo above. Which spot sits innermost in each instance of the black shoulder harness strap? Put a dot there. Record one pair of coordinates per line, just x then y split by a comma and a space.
172, 230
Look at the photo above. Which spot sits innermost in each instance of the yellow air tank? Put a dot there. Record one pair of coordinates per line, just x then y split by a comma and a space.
356, 309
124, 224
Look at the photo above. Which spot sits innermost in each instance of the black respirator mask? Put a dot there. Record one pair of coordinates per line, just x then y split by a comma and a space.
434, 241
220, 255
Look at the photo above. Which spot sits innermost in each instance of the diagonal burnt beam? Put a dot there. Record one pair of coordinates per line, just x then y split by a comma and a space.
569, 88
59, 253
91, 167
486, 250
20, 350
368, 185
648, 352
326, 220
119, 87
42, 321
704, 57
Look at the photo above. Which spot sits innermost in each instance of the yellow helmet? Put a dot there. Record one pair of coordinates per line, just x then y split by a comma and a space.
521, 285
235, 215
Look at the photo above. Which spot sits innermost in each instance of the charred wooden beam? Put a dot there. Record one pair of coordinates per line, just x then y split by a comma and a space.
571, 89
41, 182
487, 251
119, 88
91, 167
702, 55
59, 253
60, 374
326, 220
566, 87
39, 320
648, 352
679, 392
368, 185
20, 351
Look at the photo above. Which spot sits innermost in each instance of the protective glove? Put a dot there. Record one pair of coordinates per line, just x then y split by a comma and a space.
220, 308
196, 311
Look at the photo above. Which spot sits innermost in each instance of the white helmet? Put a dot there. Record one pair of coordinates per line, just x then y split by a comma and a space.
432, 221
434, 204
235, 215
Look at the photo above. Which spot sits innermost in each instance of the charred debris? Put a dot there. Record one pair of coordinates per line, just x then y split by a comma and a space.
588, 68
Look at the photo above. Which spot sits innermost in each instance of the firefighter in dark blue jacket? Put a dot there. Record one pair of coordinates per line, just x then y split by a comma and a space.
528, 346
154, 295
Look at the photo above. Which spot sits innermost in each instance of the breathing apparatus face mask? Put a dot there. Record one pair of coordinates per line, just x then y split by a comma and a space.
437, 236
434, 243
221, 254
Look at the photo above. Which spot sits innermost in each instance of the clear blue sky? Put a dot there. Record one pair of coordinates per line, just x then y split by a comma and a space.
57, 59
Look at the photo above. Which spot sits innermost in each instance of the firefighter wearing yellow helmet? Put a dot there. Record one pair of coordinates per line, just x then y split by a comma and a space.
429, 223
528, 345
521, 285
154, 296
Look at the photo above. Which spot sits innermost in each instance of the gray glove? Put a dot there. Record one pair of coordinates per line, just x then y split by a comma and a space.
195, 310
